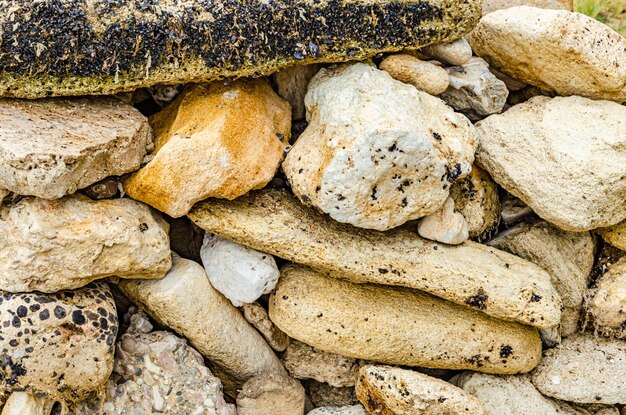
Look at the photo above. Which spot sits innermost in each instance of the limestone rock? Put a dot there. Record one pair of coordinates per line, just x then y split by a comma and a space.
606, 302
555, 50
471, 274
424, 76
256, 315
339, 410
158, 372
23, 403
306, 362
547, 152
51, 245
58, 346
241, 274
584, 369
122, 48
185, 301
53, 147
445, 225
615, 235
397, 326
476, 198
510, 395
204, 150
490, 6
291, 85
377, 152
567, 256
271, 394
322, 394
458, 52
389, 390
474, 90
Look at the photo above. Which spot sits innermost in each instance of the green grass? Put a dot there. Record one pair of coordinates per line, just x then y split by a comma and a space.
610, 12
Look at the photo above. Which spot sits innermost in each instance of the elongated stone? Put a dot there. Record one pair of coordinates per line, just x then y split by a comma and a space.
397, 326
102, 47
495, 282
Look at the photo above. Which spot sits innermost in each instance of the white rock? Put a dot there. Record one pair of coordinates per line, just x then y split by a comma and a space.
555, 50
53, 147
339, 410
424, 76
458, 52
377, 152
548, 153
489, 6
474, 90
584, 369
240, 273
51, 245
23, 403
445, 225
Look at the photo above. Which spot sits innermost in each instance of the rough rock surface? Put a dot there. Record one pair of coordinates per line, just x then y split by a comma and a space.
510, 395
495, 282
322, 394
292, 84
548, 153
474, 90
53, 147
51, 245
490, 6
606, 302
339, 410
133, 47
377, 152
204, 150
584, 369
567, 256
185, 301
57, 345
615, 235
241, 274
306, 362
271, 394
158, 372
423, 75
397, 326
389, 390
585, 56
458, 52
24, 403
445, 225
476, 198
256, 315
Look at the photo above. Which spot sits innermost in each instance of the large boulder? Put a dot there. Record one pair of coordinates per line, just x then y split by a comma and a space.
103, 46
377, 152
203, 149
555, 50
51, 245
548, 153
471, 274
52, 147
397, 326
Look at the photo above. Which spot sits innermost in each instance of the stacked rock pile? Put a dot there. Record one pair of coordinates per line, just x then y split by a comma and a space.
343, 207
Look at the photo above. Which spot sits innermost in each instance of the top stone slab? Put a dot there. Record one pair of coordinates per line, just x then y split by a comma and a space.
78, 47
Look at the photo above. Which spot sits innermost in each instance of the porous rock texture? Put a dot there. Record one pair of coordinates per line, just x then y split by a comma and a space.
52, 147
157, 372
203, 149
377, 152
548, 153
425, 76
555, 50
185, 301
606, 302
51, 245
256, 315
57, 345
323, 394
271, 394
615, 235
445, 225
397, 326
385, 390
474, 275
584, 369
339, 410
126, 47
567, 256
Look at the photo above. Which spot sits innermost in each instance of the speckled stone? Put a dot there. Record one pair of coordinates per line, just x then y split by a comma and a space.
58, 345
106, 46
